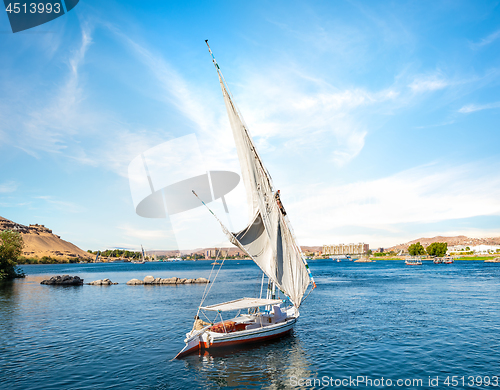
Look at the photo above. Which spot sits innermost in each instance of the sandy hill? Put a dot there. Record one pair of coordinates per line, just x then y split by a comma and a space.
39, 241
311, 248
456, 240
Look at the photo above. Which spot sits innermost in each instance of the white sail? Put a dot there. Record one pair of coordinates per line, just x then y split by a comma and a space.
268, 238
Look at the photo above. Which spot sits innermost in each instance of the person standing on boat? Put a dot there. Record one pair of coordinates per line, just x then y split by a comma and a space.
278, 200
199, 324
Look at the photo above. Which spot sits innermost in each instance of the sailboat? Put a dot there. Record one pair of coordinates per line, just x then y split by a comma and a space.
269, 241
143, 258
97, 257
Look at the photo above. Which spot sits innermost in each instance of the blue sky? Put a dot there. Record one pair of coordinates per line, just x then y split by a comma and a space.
379, 121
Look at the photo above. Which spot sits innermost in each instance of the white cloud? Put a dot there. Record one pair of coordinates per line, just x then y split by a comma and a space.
425, 194
425, 83
14, 204
65, 206
9, 186
447, 123
486, 41
473, 107
281, 109
143, 234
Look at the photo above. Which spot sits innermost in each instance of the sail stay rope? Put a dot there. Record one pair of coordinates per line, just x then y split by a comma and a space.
205, 293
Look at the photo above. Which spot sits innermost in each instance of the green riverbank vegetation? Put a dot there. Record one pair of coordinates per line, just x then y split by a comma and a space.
46, 260
10, 249
117, 253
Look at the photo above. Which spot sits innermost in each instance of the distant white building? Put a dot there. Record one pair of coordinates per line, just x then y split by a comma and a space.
480, 249
485, 248
346, 249
216, 253
457, 248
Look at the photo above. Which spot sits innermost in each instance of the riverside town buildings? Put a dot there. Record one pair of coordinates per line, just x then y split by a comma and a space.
480, 249
216, 253
346, 249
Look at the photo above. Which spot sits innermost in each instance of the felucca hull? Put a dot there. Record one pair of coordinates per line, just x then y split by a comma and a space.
210, 340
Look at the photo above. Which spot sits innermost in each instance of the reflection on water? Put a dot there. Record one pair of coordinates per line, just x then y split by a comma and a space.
8, 303
261, 366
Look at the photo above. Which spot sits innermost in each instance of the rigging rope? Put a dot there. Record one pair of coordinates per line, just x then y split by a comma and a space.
203, 296
217, 274
205, 293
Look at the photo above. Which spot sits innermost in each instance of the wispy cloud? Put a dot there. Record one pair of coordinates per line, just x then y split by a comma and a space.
14, 204
67, 121
487, 40
425, 83
473, 107
9, 186
207, 115
144, 234
447, 123
288, 113
177, 91
49, 127
65, 206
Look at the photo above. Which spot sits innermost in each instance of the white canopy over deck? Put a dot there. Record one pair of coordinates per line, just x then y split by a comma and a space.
243, 303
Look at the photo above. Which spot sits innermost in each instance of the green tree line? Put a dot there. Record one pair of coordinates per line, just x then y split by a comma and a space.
437, 249
118, 253
10, 250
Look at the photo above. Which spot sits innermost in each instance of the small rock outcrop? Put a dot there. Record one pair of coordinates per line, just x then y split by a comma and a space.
173, 280
134, 282
64, 280
103, 282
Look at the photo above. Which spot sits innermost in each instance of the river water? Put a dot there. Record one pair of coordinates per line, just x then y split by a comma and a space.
365, 321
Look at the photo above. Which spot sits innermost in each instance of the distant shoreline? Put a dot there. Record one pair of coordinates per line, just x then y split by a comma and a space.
117, 261
219, 261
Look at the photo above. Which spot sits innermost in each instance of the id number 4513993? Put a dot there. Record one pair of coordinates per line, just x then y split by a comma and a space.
33, 8
472, 381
